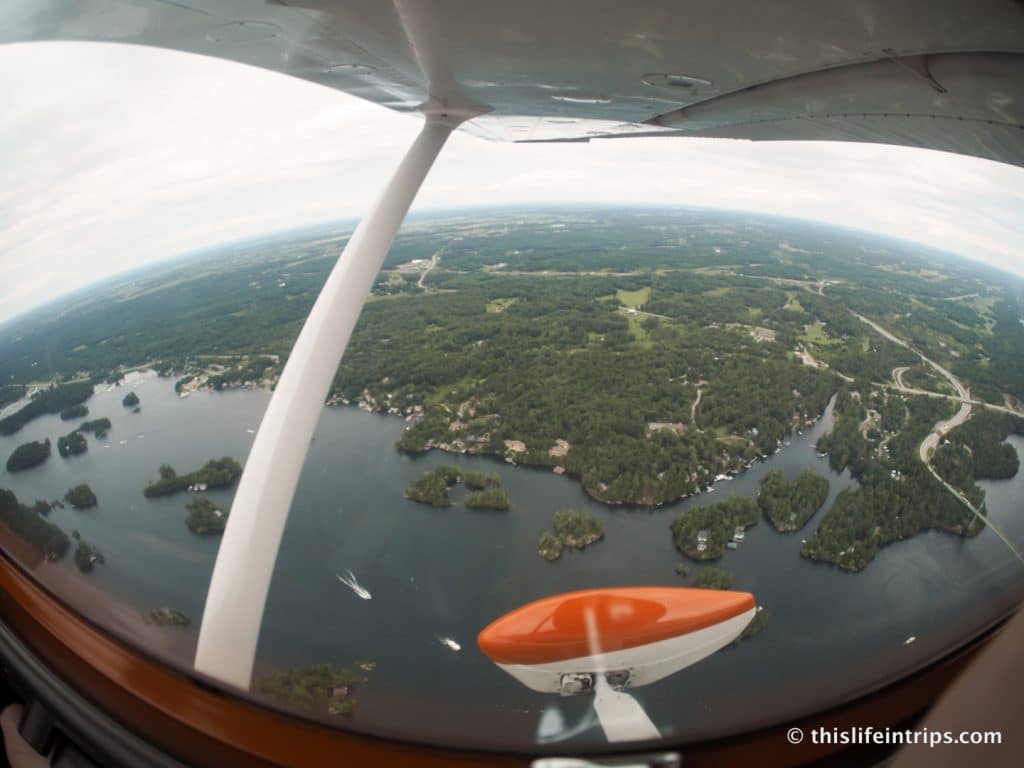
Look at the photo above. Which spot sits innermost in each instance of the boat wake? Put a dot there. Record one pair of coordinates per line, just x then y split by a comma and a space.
355, 586
447, 642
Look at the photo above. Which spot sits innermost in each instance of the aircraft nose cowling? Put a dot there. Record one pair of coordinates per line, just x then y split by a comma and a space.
578, 624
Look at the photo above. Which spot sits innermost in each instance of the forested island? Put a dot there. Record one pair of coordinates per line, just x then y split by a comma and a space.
432, 487
28, 455
320, 688
28, 525
702, 532
87, 556
52, 400
713, 577
205, 517
573, 528
216, 473
788, 506
99, 427
72, 444
131, 400
81, 497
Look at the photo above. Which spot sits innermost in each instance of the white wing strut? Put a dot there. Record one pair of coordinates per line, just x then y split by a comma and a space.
621, 716
245, 562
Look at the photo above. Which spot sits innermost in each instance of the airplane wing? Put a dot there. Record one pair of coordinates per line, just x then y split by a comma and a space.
573, 70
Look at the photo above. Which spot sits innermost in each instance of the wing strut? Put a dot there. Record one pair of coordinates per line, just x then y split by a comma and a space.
245, 562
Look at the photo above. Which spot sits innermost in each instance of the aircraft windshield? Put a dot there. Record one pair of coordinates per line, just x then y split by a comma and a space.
713, 468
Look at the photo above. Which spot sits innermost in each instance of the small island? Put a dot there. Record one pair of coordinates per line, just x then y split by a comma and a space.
28, 455
74, 412
788, 506
87, 556
485, 491
432, 486
702, 532
167, 617
713, 577
319, 688
99, 427
755, 627
72, 444
80, 497
131, 400
216, 473
25, 522
573, 528
205, 517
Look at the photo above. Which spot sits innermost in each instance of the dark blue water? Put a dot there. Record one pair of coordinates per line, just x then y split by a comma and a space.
449, 572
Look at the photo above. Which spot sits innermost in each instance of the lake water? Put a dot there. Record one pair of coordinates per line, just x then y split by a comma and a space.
449, 572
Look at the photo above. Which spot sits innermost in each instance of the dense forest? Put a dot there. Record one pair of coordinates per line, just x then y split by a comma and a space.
87, 556
976, 450
205, 517
432, 486
642, 353
28, 455
713, 577
72, 444
74, 412
573, 528
11, 393
789, 505
564, 371
81, 497
28, 525
702, 532
494, 497
216, 473
99, 427
898, 497
51, 400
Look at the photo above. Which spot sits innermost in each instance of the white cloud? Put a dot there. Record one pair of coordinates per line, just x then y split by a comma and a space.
113, 156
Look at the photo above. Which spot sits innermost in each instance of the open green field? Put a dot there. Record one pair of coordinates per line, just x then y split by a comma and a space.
633, 299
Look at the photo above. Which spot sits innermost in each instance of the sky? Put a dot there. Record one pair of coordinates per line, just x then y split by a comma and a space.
112, 157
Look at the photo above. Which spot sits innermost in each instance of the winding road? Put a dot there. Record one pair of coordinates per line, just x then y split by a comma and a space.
943, 427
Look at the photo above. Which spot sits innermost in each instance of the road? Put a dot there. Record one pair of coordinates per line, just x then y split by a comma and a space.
433, 263
805, 356
941, 428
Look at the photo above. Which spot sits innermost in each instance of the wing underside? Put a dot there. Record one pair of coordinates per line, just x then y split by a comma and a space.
947, 76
